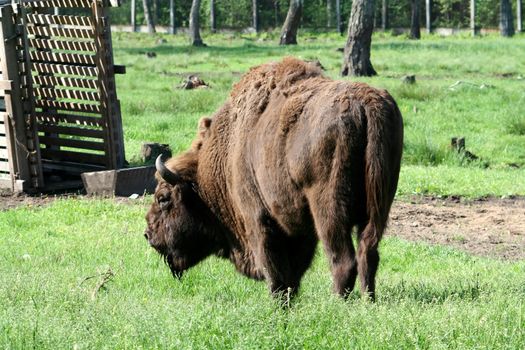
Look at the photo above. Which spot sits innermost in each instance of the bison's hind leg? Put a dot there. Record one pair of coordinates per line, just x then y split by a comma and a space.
335, 231
368, 259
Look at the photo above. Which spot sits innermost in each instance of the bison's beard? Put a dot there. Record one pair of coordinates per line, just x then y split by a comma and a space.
175, 268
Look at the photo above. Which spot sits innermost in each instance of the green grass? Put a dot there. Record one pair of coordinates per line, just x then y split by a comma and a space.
490, 118
428, 297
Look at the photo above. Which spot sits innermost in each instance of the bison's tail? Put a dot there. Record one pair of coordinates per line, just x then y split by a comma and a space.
382, 164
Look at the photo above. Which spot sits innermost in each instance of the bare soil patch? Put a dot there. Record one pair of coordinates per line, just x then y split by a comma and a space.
487, 227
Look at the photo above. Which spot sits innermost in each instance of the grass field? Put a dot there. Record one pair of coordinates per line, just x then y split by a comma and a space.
53, 258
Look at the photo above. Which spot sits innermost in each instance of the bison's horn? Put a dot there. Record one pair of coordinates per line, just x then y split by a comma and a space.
166, 173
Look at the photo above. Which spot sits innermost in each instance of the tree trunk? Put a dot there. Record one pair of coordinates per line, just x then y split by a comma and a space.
473, 17
329, 13
415, 31
384, 15
212, 16
428, 15
195, 35
173, 28
148, 17
293, 18
276, 10
338, 16
155, 11
255, 15
519, 24
357, 48
505, 24
133, 16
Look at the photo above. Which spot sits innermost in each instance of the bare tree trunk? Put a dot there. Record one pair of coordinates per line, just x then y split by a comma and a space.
428, 15
212, 16
276, 13
357, 48
473, 17
329, 13
173, 28
255, 15
155, 12
415, 31
505, 23
519, 24
338, 16
195, 34
384, 15
148, 17
133, 16
293, 18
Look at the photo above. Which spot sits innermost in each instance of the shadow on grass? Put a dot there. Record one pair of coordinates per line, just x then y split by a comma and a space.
426, 293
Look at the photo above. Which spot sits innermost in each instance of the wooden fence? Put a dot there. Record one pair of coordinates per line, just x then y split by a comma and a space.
61, 115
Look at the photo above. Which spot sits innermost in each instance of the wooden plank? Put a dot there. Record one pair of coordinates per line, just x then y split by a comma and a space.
57, 141
6, 85
59, 3
2, 128
3, 153
71, 167
70, 156
54, 118
68, 106
85, 21
66, 130
3, 141
84, 46
69, 94
65, 69
67, 58
53, 32
65, 81
4, 166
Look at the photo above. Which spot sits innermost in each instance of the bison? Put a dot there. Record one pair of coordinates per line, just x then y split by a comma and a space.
291, 158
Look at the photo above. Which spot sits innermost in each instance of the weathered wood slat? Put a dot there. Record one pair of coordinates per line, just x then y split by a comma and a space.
84, 46
2, 128
60, 3
73, 156
3, 141
60, 19
69, 94
82, 144
64, 81
68, 106
72, 33
67, 58
69, 118
65, 69
66, 130
4, 166
3, 153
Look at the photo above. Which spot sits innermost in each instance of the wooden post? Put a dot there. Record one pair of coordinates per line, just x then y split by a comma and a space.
173, 29
16, 124
133, 16
519, 22
384, 15
255, 15
212, 16
428, 13
473, 17
338, 16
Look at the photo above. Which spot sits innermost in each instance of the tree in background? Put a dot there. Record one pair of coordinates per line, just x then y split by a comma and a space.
293, 18
255, 15
415, 31
148, 16
357, 48
195, 34
213, 26
506, 26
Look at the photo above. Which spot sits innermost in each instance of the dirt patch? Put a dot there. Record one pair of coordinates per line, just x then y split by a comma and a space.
489, 227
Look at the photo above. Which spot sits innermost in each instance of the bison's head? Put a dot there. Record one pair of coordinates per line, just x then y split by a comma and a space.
177, 223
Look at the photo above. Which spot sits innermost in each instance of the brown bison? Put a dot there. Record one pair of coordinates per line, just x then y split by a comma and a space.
291, 158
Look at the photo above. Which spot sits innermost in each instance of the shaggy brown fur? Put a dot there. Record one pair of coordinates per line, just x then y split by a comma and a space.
291, 158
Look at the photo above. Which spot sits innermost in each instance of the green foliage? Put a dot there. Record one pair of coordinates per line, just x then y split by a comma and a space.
50, 273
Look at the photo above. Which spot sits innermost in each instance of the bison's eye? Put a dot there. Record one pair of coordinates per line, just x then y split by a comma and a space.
164, 200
